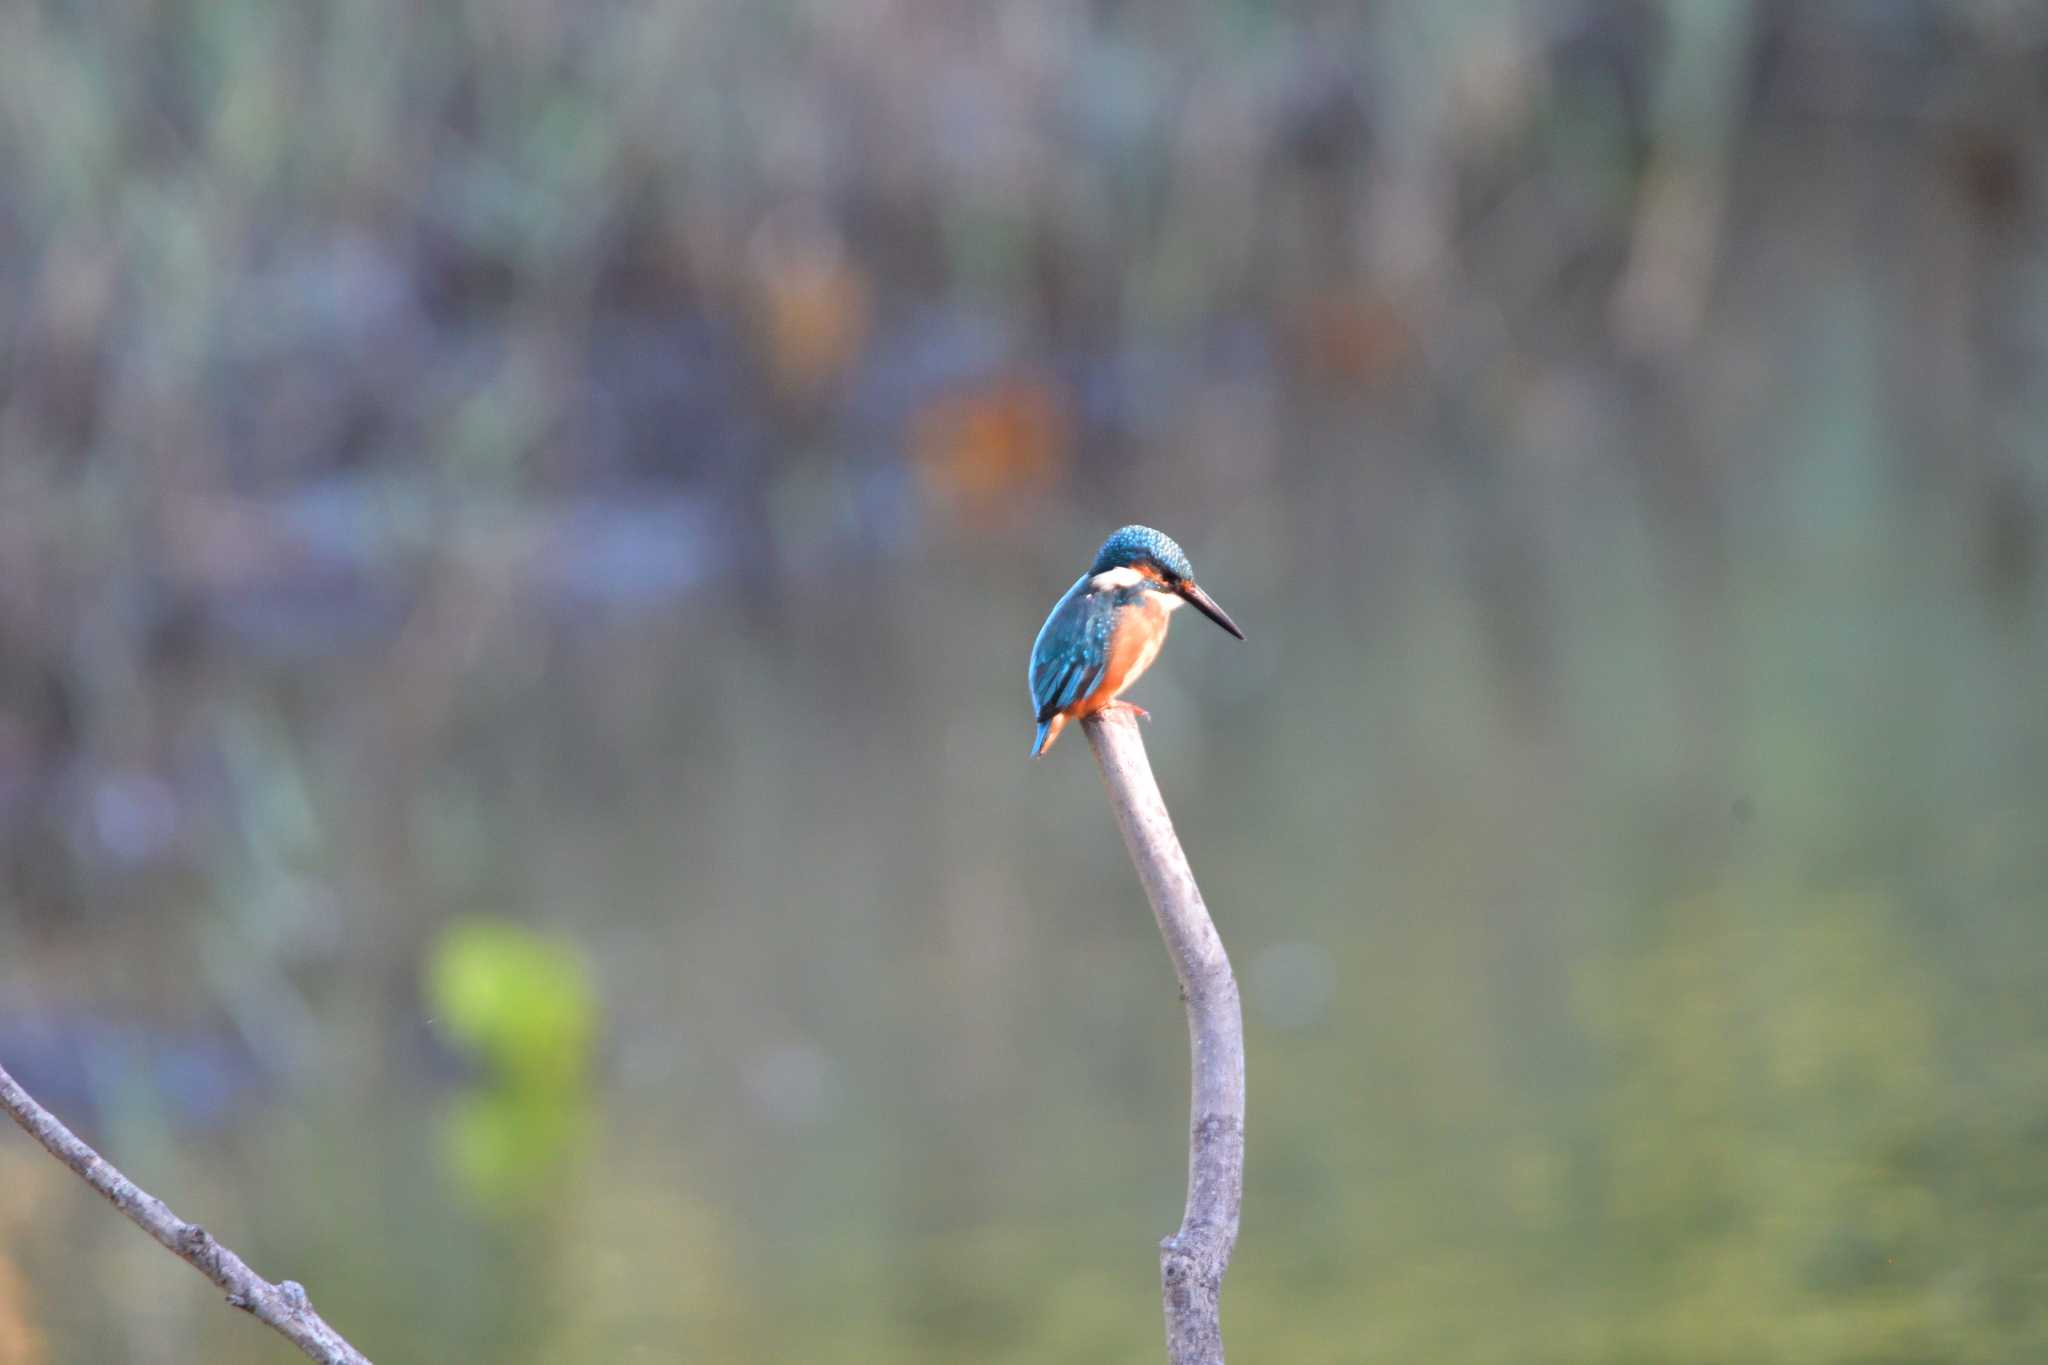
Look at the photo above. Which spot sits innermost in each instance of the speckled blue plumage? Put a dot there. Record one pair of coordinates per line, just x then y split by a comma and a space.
1071, 651
1130, 545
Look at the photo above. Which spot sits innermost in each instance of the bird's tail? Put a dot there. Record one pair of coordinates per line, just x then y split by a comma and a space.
1043, 737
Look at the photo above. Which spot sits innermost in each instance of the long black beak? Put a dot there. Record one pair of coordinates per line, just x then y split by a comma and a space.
1208, 607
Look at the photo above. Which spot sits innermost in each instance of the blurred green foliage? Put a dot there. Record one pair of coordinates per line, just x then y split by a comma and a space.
508, 1150
522, 1005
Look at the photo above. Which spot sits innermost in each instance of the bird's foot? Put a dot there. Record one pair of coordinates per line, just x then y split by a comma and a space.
1140, 712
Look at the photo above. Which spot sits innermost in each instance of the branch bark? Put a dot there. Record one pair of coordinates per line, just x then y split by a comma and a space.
1192, 1261
282, 1306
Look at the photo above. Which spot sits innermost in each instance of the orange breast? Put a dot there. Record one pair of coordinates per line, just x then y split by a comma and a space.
1133, 645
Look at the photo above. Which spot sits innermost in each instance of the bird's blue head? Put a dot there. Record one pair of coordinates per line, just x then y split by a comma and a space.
1154, 554
1137, 547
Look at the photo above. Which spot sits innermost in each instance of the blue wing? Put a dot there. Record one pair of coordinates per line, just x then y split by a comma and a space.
1072, 650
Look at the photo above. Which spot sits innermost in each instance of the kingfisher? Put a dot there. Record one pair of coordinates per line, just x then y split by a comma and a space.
1108, 628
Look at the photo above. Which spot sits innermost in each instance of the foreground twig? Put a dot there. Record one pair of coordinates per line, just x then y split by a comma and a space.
283, 1306
1192, 1261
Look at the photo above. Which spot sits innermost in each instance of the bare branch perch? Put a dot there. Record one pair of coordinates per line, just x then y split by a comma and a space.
1192, 1261
282, 1306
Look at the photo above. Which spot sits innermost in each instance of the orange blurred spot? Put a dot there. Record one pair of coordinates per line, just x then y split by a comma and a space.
19, 1340
982, 448
1349, 336
21, 1343
808, 303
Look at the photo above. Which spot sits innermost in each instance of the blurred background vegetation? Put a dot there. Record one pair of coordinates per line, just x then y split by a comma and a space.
520, 526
